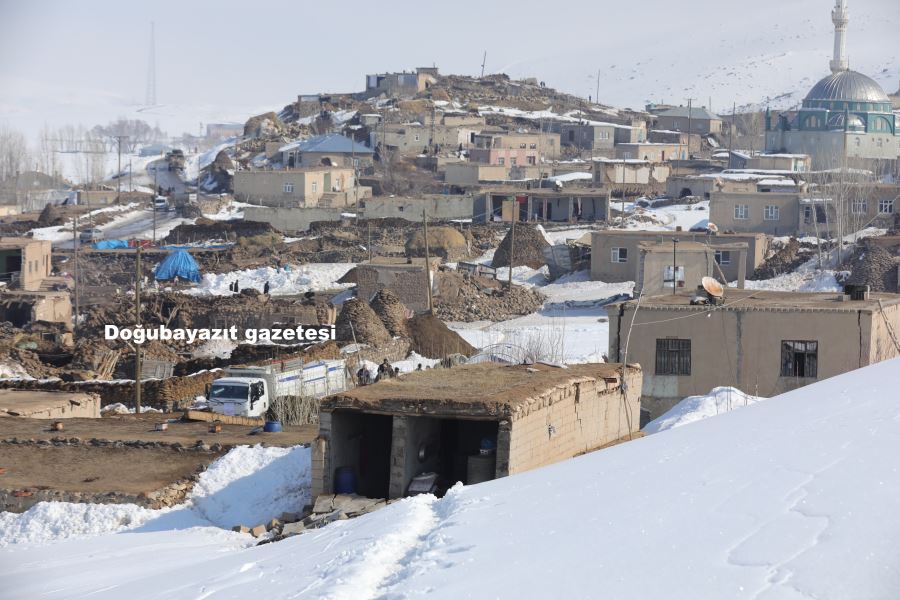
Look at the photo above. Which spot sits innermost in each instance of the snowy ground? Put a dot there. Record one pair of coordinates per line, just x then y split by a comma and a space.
63, 233
665, 218
572, 326
299, 279
247, 486
696, 408
770, 501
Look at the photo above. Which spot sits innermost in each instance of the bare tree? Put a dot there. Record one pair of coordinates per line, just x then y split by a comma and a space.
14, 155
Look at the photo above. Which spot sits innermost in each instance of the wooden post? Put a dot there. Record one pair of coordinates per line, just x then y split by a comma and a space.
512, 241
75, 271
137, 320
427, 263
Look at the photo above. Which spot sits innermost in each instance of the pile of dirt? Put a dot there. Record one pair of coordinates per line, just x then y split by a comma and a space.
445, 242
529, 249
784, 260
430, 337
366, 328
873, 266
391, 311
467, 299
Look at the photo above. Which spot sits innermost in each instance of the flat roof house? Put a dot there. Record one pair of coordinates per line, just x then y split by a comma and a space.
513, 148
616, 254
568, 205
764, 343
770, 206
24, 262
381, 436
329, 150
299, 188
664, 267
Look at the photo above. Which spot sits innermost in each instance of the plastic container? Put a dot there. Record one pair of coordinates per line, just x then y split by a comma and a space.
272, 427
344, 481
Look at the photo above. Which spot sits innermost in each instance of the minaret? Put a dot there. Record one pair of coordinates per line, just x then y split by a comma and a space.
840, 17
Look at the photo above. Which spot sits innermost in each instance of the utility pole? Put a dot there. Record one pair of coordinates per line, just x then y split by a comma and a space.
690, 126
369, 242
674, 265
427, 263
119, 139
597, 97
731, 133
155, 193
483, 61
75, 270
512, 241
137, 320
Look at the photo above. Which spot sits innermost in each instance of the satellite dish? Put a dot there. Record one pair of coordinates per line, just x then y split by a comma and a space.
712, 227
712, 287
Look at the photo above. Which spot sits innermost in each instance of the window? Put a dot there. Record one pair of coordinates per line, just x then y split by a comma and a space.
531, 160
723, 257
678, 276
501, 161
400, 208
673, 357
772, 213
619, 255
741, 212
315, 186
522, 146
532, 146
799, 359
513, 161
886, 206
417, 137
859, 207
288, 188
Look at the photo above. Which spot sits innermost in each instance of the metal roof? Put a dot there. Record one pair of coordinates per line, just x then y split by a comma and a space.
848, 86
695, 113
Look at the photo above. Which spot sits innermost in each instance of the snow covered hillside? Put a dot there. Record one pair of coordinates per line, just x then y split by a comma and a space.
790, 498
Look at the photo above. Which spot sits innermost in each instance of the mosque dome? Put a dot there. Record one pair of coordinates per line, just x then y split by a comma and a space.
847, 86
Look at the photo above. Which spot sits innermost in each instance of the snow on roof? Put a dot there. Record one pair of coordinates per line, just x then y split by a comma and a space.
779, 182
330, 142
695, 113
570, 177
774, 497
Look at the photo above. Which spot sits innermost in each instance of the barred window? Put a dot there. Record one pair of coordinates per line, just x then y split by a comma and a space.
741, 211
886, 206
723, 257
673, 357
799, 358
772, 212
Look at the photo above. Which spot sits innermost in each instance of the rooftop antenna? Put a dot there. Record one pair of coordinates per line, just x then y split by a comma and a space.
151, 68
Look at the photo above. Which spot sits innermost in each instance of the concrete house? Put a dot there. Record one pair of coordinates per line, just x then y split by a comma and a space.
652, 151
300, 187
405, 277
23, 307
876, 205
512, 148
599, 138
440, 207
654, 273
681, 118
411, 139
629, 174
469, 174
764, 343
772, 207
440, 420
614, 252
542, 204
400, 84
24, 262
329, 150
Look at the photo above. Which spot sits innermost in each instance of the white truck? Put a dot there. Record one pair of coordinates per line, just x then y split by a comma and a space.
251, 391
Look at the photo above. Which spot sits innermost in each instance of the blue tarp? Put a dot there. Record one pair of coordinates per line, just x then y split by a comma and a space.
178, 264
109, 244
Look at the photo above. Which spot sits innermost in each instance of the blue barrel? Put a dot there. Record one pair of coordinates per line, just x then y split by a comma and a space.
272, 426
344, 481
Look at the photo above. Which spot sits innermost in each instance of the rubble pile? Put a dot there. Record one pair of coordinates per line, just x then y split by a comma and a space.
50, 216
207, 229
467, 299
358, 323
529, 249
873, 266
391, 311
784, 260
430, 337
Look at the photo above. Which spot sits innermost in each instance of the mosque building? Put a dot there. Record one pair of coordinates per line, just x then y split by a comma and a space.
846, 114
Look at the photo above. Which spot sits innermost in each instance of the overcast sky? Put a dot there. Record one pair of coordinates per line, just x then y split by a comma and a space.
61, 58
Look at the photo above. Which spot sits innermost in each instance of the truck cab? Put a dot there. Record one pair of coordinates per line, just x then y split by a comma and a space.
239, 396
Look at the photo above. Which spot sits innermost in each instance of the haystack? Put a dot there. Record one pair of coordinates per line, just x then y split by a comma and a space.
445, 242
391, 311
366, 328
873, 266
529, 249
430, 337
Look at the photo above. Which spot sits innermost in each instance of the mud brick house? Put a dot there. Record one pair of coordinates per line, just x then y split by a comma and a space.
764, 343
24, 262
438, 420
404, 277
